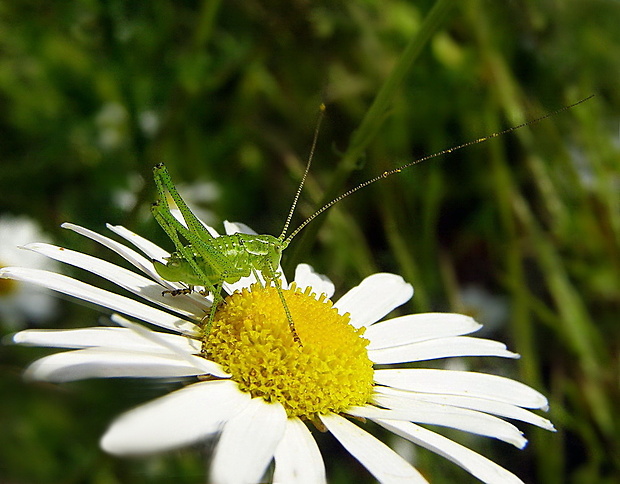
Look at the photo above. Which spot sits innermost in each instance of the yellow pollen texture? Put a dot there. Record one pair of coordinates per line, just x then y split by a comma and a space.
251, 338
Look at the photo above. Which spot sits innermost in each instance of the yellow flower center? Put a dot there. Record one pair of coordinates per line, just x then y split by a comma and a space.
251, 338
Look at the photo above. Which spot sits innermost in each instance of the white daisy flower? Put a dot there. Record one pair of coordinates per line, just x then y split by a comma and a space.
19, 305
260, 391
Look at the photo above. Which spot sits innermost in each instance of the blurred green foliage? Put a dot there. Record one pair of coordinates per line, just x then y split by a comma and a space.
93, 93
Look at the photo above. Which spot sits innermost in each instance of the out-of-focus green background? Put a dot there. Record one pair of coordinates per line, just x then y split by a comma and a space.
522, 231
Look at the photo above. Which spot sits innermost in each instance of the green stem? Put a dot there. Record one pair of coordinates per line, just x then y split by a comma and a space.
378, 111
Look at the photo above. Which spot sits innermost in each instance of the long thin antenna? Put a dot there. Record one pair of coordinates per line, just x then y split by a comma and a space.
389, 173
307, 170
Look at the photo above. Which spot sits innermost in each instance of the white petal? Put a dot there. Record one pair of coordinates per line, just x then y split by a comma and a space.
240, 284
376, 296
128, 254
159, 254
381, 461
488, 406
103, 337
464, 383
211, 230
248, 443
135, 283
238, 228
145, 265
72, 287
398, 408
477, 465
305, 276
180, 418
418, 327
179, 216
164, 344
98, 363
441, 348
297, 456
151, 250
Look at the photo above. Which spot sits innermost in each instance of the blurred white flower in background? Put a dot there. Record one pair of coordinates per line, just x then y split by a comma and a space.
19, 304
490, 309
113, 125
200, 195
111, 121
126, 197
149, 123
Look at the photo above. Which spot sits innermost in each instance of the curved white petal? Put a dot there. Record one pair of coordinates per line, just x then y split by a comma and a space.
164, 344
210, 229
81, 290
125, 252
376, 296
240, 284
238, 228
248, 443
103, 337
464, 383
482, 405
435, 414
151, 250
180, 418
414, 328
381, 461
297, 456
306, 276
440, 348
99, 363
176, 213
477, 465
135, 283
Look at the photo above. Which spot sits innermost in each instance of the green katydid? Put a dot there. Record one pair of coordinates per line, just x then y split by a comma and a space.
210, 262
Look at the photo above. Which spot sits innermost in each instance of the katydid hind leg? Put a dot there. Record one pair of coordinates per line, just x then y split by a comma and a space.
217, 299
167, 222
165, 186
274, 276
173, 228
209, 253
